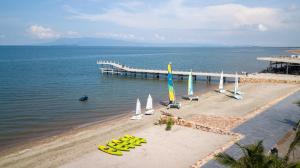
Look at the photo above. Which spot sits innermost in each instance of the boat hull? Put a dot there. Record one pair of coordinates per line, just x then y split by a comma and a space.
190, 98
149, 112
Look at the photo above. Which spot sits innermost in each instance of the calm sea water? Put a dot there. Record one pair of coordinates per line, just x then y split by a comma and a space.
40, 86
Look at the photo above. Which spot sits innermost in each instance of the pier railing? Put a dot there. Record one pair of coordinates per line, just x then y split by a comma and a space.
111, 67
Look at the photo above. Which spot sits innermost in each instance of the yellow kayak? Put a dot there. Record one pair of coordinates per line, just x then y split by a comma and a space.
130, 145
135, 142
142, 140
110, 150
117, 146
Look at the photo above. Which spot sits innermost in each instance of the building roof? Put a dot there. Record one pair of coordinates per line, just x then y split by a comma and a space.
284, 59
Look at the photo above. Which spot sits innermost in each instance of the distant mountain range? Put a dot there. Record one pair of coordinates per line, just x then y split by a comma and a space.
89, 41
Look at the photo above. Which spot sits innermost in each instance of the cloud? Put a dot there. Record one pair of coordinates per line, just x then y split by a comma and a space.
72, 34
262, 28
43, 32
159, 37
175, 14
2, 36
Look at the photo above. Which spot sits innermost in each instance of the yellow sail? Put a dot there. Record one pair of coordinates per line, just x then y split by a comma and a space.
170, 84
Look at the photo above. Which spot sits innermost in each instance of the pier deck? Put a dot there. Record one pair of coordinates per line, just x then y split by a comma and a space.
119, 68
110, 67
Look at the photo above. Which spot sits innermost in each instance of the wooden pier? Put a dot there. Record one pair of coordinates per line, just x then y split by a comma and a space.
109, 67
286, 64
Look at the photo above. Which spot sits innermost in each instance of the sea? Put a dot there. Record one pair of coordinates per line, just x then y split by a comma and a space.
40, 85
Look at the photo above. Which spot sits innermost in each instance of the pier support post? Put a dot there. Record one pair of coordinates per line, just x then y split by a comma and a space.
208, 79
224, 79
157, 76
195, 77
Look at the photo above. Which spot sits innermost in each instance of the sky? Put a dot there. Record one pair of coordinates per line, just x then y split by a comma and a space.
217, 22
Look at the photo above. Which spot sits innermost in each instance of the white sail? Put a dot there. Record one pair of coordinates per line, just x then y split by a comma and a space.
149, 105
236, 84
237, 93
221, 87
190, 84
138, 110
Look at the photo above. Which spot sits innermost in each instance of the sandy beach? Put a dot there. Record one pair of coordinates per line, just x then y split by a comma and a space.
180, 147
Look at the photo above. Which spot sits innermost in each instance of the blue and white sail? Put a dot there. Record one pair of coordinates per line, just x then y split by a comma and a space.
190, 95
190, 84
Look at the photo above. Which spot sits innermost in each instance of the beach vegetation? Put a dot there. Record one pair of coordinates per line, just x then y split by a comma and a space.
169, 124
254, 155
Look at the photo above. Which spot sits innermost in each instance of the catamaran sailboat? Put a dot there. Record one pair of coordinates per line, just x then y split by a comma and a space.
138, 111
221, 87
237, 85
149, 106
172, 101
190, 95
237, 93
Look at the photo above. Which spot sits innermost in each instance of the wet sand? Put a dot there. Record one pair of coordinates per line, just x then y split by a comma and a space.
78, 148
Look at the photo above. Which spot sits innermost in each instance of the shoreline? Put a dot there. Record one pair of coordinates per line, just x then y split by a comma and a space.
83, 127
62, 149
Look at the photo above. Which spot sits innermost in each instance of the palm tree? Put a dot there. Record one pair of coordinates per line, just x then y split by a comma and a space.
254, 157
295, 142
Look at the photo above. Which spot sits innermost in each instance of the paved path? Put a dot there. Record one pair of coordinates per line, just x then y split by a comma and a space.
270, 126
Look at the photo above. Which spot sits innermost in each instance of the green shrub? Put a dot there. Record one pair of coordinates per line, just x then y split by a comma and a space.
169, 125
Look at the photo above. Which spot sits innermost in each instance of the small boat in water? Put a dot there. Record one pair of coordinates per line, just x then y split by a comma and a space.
83, 98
